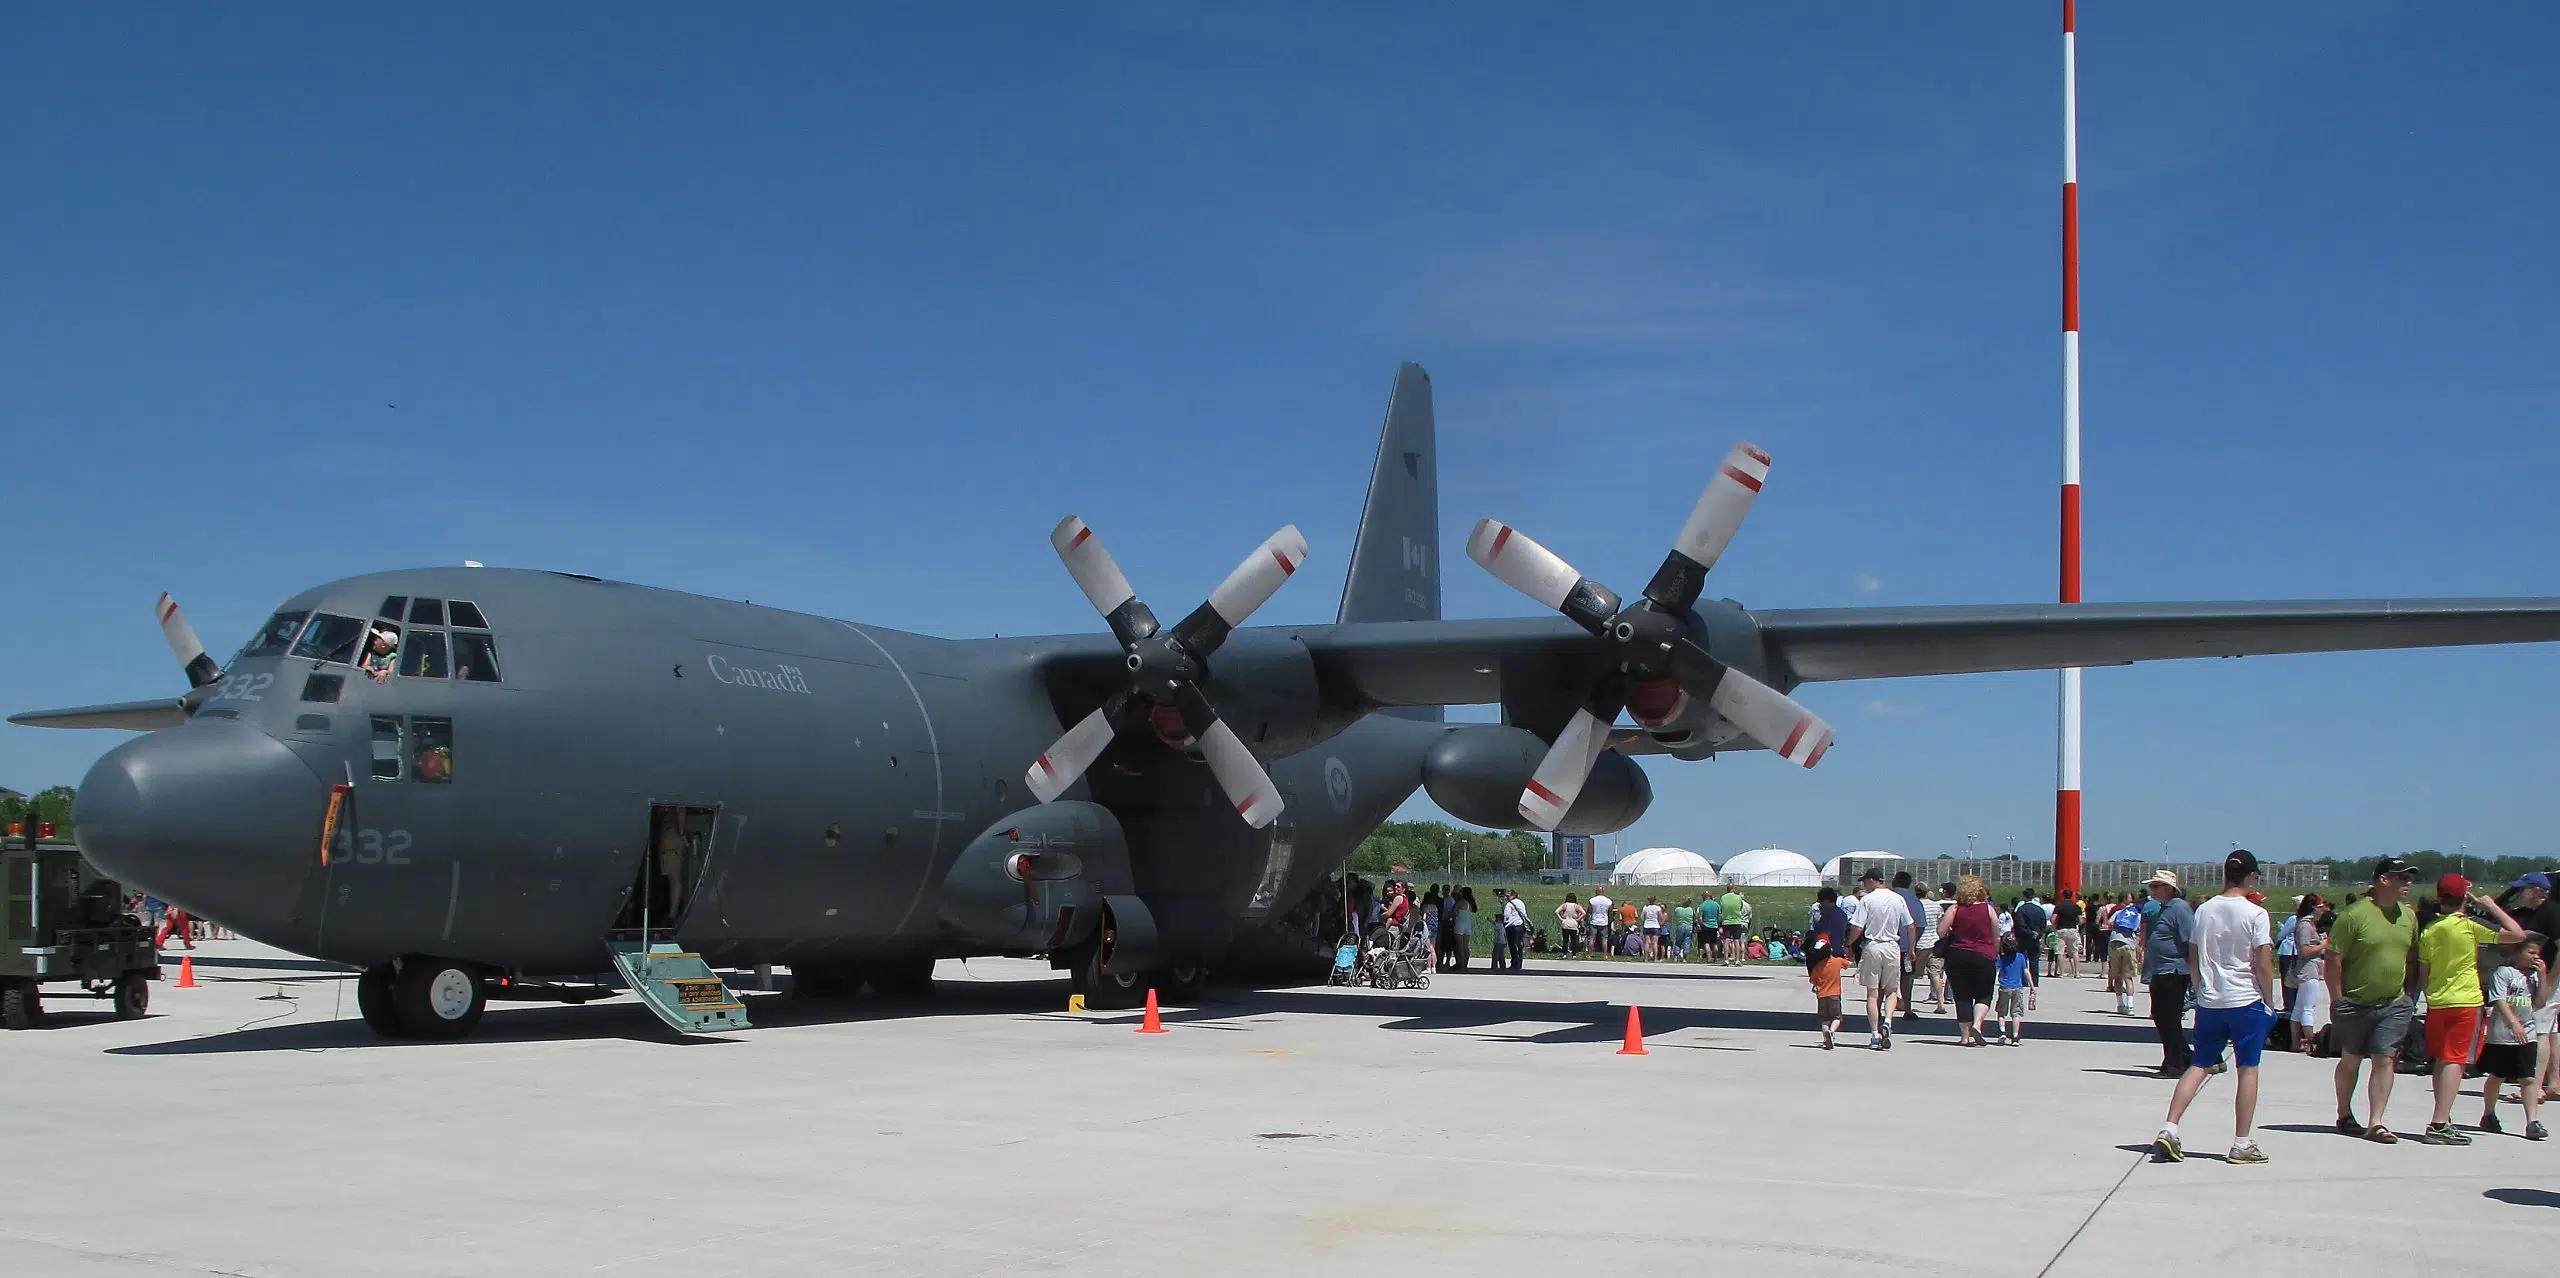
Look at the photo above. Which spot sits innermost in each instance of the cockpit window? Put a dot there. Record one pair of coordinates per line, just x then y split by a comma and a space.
431, 745
422, 656
331, 638
475, 656
426, 612
277, 635
394, 606
467, 613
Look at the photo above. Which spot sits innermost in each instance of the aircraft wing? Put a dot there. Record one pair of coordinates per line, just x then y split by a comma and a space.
1886, 643
1462, 662
132, 716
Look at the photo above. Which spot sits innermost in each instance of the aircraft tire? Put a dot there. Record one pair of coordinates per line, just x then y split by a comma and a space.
1185, 982
133, 998
373, 1000
1111, 991
903, 977
825, 982
437, 998
20, 1008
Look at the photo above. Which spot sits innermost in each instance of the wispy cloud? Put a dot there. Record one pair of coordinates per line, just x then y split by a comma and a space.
1612, 287
1869, 583
1893, 709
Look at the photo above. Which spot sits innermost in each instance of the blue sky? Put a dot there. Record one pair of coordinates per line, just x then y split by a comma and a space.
839, 309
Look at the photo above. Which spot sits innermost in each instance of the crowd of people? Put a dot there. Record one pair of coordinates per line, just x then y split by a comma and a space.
1448, 920
1706, 927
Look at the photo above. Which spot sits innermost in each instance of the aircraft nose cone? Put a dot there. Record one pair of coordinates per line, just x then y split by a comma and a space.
215, 817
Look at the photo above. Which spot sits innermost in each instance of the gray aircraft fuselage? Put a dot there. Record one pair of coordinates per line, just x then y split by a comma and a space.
848, 766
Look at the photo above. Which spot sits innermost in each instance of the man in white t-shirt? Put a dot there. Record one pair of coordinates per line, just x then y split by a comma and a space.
2233, 956
1885, 924
1602, 911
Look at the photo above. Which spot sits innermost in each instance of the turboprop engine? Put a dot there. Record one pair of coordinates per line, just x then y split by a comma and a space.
1476, 774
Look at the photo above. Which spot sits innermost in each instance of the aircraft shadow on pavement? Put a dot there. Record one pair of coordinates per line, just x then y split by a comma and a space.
2524, 1197
1600, 1022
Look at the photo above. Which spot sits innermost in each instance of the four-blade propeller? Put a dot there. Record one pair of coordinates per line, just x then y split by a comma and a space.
1661, 665
1165, 669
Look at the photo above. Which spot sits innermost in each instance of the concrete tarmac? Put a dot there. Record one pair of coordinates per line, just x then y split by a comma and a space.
253, 1126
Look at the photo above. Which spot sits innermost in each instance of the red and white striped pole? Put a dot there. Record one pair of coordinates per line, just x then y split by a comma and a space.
2066, 799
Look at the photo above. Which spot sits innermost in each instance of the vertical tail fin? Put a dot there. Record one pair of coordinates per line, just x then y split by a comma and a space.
1395, 562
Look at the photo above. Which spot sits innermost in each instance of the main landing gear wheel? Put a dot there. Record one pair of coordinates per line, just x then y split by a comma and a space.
19, 1005
437, 998
373, 999
903, 977
133, 998
1186, 982
1107, 990
825, 982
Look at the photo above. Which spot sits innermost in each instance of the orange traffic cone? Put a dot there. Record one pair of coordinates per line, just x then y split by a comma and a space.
1635, 1034
1154, 1024
187, 972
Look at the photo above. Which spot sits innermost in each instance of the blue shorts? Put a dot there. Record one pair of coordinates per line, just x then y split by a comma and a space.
2243, 1029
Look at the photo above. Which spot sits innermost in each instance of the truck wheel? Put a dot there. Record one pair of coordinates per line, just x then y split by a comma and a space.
19, 1006
373, 999
133, 998
437, 998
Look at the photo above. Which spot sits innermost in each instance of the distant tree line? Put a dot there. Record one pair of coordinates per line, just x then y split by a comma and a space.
45, 805
1424, 847
2492, 873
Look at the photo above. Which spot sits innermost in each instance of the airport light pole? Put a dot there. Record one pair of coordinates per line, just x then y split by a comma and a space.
2066, 799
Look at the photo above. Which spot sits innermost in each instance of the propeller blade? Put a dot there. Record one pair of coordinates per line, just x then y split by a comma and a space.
1257, 800
183, 642
1558, 780
1767, 715
1251, 585
1052, 773
1712, 523
1101, 580
1541, 574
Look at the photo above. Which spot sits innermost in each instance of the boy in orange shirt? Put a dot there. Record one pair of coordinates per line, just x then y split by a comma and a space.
1822, 967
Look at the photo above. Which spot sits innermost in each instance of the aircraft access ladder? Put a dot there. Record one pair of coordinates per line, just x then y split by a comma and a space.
678, 986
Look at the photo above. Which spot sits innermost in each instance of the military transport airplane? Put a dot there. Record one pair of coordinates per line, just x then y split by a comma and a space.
473, 782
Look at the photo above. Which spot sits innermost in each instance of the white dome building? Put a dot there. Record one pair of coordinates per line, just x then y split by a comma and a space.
1831, 868
1772, 867
1663, 867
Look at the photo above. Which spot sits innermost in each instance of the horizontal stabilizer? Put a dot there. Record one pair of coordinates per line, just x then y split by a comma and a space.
131, 716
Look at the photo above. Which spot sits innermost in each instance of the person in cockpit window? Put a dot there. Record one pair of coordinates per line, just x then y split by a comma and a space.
380, 650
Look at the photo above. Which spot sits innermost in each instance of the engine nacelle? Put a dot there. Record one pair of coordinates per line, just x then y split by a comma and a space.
1036, 880
1476, 774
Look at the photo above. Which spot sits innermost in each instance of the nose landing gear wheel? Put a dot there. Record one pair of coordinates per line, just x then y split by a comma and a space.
437, 998
373, 998
1185, 983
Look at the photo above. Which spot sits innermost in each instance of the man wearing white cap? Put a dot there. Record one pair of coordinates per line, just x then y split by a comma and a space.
2164, 967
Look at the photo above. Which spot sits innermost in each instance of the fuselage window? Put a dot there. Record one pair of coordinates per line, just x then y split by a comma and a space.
277, 635
431, 743
386, 747
394, 606
323, 687
467, 613
422, 656
426, 612
475, 656
331, 638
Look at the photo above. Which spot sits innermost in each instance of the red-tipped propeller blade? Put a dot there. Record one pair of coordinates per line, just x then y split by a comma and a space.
183, 642
1541, 574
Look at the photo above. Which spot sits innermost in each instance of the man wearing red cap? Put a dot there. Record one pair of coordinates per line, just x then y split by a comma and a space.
2449, 962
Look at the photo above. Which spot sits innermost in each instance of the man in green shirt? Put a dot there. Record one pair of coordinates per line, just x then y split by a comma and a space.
1735, 910
1710, 917
2372, 977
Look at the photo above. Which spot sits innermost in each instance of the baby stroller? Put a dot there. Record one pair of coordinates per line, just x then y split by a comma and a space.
1346, 961
1400, 960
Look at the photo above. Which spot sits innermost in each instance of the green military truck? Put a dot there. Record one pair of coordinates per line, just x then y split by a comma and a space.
66, 926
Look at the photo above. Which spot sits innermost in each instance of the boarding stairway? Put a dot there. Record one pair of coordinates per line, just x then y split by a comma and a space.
678, 986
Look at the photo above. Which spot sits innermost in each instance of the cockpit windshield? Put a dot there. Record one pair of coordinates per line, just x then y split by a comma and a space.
276, 636
331, 638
